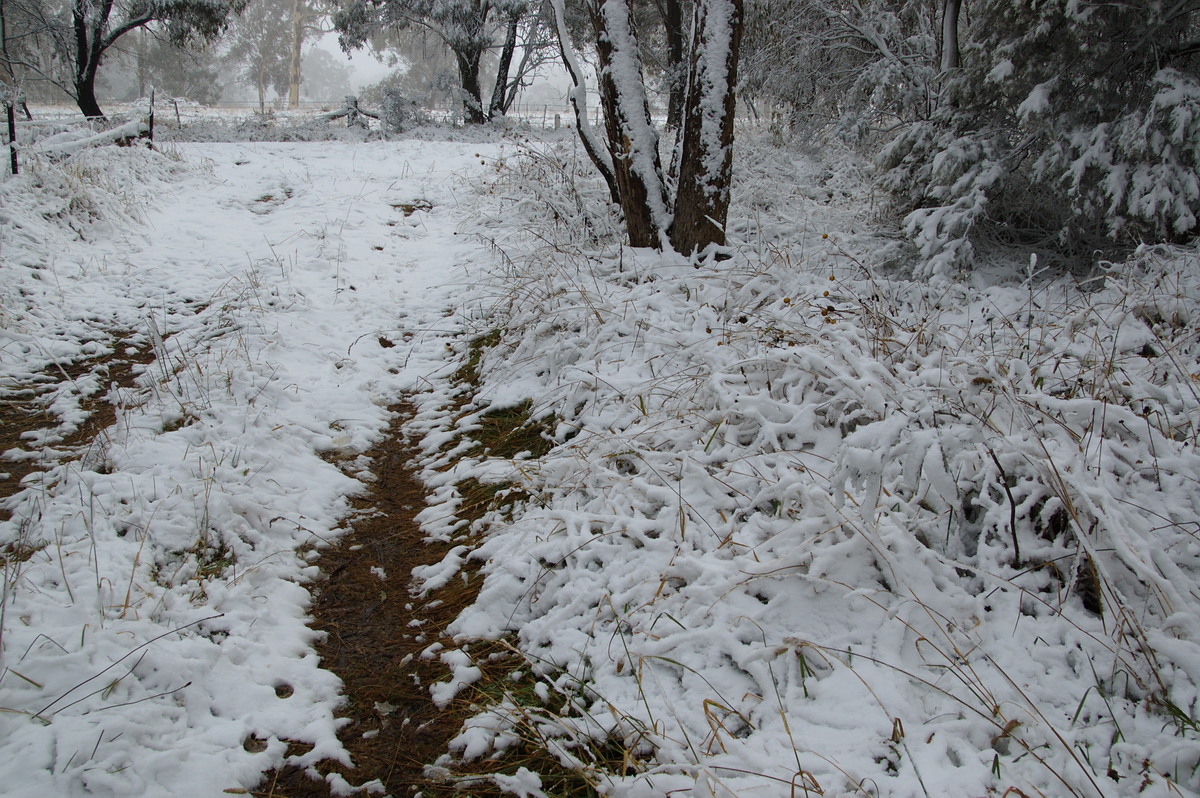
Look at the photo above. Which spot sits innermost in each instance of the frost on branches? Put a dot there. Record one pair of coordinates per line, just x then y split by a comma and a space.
66, 43
1066, 128
1071, 127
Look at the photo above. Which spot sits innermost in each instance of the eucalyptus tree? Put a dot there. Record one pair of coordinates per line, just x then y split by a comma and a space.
259, 48
66, 42
686, 209
469, 29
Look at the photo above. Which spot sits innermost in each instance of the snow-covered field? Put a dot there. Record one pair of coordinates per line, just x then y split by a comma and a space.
773, 550
291, 293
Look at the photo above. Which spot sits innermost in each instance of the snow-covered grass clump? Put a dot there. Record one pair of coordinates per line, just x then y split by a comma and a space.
810, 527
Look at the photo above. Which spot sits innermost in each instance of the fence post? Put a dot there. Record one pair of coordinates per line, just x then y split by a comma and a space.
152, 116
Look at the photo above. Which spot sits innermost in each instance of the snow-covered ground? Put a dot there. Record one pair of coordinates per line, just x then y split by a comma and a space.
773, 550
291, 292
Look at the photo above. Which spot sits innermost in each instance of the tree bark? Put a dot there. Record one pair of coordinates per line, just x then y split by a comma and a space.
296, 53
10, 113
261, 83
85, 91
950, 52
632, 141
500, 90
89, 25
677, 76
706, 160
468, 74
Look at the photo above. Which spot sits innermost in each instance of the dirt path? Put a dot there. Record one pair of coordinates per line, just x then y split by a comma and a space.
375, 634
375, 629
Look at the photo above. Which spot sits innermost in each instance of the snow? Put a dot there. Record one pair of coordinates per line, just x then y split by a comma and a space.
774, 545
162, 619
1038, 101
771, 552
1001, 72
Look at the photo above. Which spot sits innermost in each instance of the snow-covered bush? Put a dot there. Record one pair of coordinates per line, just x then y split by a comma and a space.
1071, 128
808, 529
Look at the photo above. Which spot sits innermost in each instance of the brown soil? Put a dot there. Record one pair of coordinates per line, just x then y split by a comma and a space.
23, 410
375, 633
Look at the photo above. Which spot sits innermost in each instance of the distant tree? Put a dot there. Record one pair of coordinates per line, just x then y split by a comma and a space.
267, 44
259, 47
469, 29
328, 77
693, 217
73, 38
309, 18
191, 72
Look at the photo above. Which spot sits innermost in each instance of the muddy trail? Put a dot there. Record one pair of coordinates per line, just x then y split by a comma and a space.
375, 631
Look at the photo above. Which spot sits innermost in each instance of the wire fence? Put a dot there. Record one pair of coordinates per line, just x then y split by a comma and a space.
177, 112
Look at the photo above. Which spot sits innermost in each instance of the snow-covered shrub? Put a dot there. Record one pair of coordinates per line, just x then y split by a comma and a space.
1139, 172
809, 527
397, 111
1071, 128
853, 66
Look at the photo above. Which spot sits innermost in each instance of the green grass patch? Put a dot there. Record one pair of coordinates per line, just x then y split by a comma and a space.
509, 432
481, 498
468, 372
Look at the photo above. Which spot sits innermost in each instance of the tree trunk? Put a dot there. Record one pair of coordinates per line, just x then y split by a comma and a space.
141, 62
676, 73
468, 74
297, 48
632, 140
85, 95
12, 137
89, 24
706, 159
950, 52
500, 90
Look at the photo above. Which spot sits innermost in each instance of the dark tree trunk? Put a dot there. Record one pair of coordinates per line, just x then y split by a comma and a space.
950, 52
706, 159
12, 136
632, 142
89, 21
85, 96
468, 74
676, 68
500, 93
